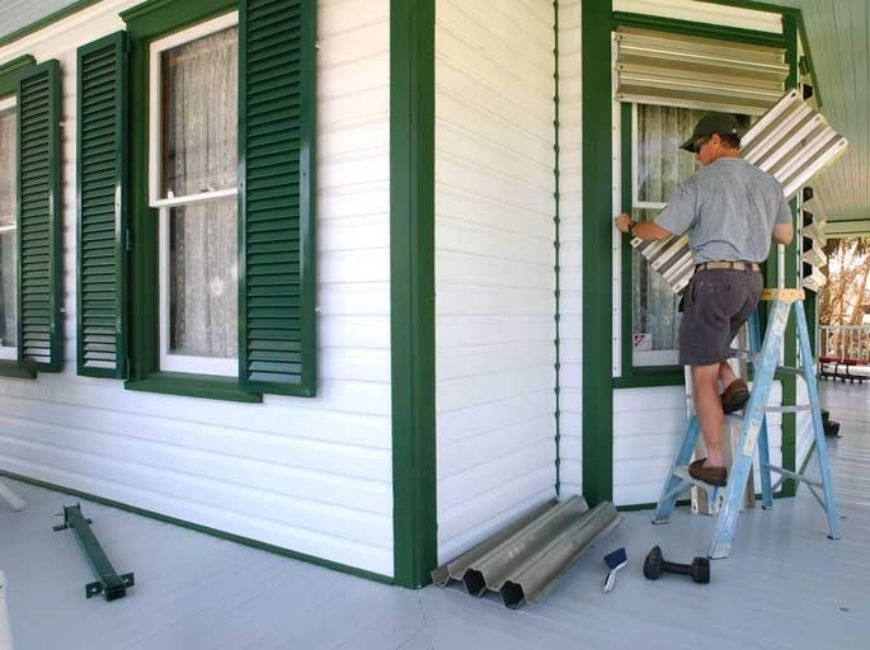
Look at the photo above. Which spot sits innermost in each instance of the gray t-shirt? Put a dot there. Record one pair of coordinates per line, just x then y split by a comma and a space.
729, 208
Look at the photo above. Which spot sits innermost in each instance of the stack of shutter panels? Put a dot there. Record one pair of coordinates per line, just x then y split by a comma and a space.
792, 142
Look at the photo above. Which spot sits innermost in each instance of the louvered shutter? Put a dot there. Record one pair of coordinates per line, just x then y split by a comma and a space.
694, 72
276, 149
102, 197
40, 329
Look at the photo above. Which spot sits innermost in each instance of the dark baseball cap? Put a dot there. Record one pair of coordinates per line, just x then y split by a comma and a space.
710, 123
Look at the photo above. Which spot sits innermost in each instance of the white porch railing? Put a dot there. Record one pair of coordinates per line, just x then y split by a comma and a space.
844, 341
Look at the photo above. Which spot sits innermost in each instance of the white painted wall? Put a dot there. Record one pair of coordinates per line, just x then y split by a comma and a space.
570, 251
310, 475
648, 426
494, 261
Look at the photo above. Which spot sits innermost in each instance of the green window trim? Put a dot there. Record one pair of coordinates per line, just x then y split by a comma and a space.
9, 73
704, 30
145, 23
101, 233
40, 205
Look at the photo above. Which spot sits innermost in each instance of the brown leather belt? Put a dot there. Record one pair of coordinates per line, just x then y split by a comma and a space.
737, 266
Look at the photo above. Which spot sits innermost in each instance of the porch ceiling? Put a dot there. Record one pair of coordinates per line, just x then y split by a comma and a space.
837, 31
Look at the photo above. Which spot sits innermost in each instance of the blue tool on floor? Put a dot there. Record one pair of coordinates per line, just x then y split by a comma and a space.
615, 561
764, 359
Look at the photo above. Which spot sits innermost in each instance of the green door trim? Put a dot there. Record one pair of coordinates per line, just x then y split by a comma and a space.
412, 288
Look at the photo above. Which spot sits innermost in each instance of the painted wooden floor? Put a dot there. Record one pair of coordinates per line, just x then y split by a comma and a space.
784, 586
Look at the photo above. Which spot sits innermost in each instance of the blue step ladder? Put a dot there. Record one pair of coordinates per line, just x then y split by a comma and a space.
753, 431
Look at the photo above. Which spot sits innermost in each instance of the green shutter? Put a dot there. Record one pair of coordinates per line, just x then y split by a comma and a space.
40, 328
102, 213
276, 198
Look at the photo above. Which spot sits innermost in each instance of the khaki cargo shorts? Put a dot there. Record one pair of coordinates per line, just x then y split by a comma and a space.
715, 305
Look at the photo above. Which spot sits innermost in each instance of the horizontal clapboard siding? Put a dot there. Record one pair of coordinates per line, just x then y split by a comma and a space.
39, 218
494, 265
310, 475
102, 210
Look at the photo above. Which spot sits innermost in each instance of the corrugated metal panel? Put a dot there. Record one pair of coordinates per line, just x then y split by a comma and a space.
524, 561
791, 142
21, 13
693, 72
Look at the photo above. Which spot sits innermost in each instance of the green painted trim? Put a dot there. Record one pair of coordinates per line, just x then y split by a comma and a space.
159, 17
24, 369
9, 73
189, 385
43, 22
597, 235
636, 507
214, 532
412, 288
557, 220
791, 279
37, 283
118, 44
805, 41
703, 30
305, 53
634, 376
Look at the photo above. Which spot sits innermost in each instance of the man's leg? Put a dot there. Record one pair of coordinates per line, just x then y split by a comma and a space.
708, 405
726, 374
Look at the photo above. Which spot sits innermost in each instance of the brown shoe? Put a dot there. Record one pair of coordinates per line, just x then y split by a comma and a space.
735, 396
717, 476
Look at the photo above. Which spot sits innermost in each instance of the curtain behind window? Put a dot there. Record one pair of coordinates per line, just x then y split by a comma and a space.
200, 155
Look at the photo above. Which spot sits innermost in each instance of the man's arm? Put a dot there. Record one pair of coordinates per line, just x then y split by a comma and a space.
783, 233
648, 230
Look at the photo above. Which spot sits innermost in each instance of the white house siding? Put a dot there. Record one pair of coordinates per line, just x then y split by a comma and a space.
310, 475
570, 251
494, 259
648, 426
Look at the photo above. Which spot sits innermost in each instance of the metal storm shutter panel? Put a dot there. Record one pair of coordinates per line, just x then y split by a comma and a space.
791, 142
694, 72
102, 228
40, 331
276, 136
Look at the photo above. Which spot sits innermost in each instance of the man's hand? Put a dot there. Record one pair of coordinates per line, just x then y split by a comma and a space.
647, 230
622, 222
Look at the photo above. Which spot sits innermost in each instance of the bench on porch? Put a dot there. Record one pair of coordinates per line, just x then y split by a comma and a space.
844, 368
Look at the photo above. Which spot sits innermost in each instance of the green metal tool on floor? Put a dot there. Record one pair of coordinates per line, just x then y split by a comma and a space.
764, 359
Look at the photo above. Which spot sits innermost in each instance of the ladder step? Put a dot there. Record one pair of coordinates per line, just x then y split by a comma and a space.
788, 409
746, 355
682, 472
790, 370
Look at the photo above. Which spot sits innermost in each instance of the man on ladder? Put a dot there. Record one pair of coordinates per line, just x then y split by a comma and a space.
731, 211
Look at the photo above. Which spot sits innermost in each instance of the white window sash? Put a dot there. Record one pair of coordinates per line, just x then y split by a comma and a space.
156, 100
169, 361
8, 352
7, 104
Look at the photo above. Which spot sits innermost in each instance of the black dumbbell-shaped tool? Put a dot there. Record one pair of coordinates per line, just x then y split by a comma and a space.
655, 565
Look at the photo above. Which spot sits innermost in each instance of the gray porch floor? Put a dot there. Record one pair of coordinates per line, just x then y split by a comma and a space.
784, 586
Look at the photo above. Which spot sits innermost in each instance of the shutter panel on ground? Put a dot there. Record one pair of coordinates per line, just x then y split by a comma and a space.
102, 227
693, 72
40, 329
276, 143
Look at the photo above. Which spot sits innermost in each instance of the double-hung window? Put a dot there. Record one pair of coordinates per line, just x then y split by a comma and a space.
194, 187
8, 231
658, 168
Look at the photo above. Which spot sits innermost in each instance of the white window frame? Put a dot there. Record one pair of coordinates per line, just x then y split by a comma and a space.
178, 362
8, 105
645, 358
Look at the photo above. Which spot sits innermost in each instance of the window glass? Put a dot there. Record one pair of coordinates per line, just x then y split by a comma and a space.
660, 166
204, 271
8, 248
200, 86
